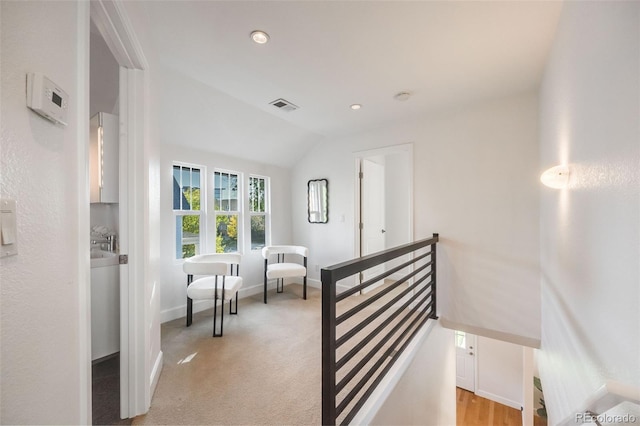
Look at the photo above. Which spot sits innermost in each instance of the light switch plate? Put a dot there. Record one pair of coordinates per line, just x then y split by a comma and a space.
8, 228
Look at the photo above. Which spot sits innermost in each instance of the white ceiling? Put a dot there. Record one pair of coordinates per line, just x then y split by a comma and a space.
326, 55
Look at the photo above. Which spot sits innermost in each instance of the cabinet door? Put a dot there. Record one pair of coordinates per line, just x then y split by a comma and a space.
105, 311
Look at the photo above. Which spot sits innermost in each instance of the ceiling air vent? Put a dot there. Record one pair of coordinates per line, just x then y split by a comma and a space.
283, 105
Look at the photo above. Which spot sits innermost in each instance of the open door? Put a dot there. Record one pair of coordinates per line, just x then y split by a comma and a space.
372, 212
465, 360
384, 203
139, 364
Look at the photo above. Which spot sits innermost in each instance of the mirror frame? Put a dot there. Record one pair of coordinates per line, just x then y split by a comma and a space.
325, 207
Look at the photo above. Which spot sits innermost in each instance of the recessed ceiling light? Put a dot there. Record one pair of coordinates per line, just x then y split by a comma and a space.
356, 106
259, 37
402, 96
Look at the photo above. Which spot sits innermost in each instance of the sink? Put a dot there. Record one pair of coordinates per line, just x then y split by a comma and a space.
101, 258
101, 254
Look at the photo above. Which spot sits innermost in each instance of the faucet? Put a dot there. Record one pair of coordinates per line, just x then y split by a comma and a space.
108, 243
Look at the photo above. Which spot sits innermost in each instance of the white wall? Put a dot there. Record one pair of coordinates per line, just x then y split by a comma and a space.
43, 369
500, 370
476, 183
590, 257
173, 279
104, 77
426, 393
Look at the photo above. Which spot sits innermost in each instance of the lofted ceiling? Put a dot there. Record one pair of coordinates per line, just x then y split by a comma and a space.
324, 56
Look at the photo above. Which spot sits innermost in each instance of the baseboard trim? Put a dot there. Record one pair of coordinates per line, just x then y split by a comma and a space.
499, 399
202, 305
155, 372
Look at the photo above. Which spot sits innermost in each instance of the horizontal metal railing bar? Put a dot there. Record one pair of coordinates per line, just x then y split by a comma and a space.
364, 341
349, 397
370, 300
380, 376
356, 329
362, 286
345, 269
347, 357
373, 351
413, 312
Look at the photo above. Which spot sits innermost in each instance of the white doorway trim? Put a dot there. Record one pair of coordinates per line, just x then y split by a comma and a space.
110, 18
83, 212
358, 156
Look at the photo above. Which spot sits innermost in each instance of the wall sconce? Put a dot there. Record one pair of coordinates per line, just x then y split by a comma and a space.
556, 177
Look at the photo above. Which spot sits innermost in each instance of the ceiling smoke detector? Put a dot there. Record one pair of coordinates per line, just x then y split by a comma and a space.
402, 96
284, 105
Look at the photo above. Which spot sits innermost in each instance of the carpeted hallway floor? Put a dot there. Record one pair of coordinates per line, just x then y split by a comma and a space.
257, 374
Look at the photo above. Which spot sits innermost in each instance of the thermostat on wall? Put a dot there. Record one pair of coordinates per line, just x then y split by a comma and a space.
47, 98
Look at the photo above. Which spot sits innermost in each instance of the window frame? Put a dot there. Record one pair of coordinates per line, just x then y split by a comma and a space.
266, 213
201, 212
238, 212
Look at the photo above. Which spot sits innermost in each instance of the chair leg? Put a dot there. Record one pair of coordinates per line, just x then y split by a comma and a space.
304, 281
265, 281
189, 311
189, 303
230, 305
215, 316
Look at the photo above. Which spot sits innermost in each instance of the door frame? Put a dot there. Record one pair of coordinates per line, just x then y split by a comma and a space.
358, 156
111, 19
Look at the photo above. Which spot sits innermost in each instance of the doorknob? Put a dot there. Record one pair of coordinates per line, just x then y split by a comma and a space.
383, 231
470, 353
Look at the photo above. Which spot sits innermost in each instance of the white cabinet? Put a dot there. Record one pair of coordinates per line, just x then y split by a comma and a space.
104, 157
105, 311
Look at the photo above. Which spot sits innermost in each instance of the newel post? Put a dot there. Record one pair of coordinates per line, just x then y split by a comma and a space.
328, 348
434, 281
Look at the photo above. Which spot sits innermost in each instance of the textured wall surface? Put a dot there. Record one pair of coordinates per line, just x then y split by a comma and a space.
40, 286
590, 231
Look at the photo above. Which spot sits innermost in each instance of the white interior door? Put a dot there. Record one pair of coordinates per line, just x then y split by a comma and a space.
123, 214
372, 213
465, 360
136, 321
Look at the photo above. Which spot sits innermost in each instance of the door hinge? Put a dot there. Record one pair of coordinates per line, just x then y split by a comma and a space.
361, 175
361, 225
123, 259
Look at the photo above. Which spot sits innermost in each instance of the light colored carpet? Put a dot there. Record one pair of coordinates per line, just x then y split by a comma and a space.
266, 370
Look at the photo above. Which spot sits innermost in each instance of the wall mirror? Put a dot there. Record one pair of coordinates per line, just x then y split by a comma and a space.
318, 201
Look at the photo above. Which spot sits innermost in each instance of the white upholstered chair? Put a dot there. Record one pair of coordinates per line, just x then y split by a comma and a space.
220, 281
282, 268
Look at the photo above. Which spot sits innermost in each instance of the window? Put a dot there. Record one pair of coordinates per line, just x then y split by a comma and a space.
258, 210
187, 209
227, 211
